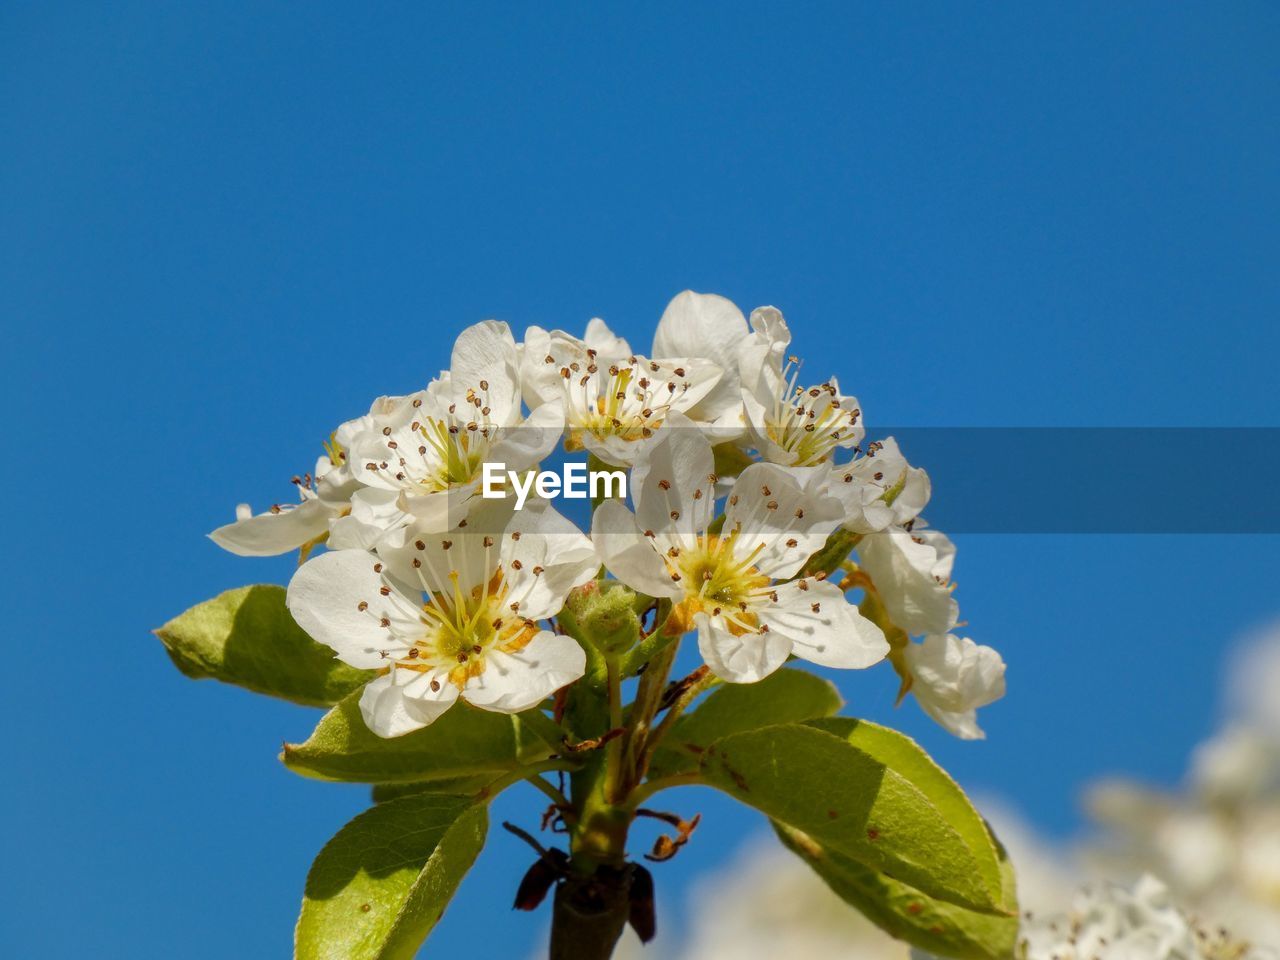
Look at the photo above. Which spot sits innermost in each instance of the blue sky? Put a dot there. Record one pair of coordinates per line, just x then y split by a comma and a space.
225, 229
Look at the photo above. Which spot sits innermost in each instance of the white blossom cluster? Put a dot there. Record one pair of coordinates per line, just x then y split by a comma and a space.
1217, 842
447, 593
1110, 922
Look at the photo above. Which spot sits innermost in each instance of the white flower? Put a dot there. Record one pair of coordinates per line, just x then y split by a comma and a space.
1107, 922
324, 496
710, 327
1237, 764
429, 450
282, 528
879, 489
767, 903
951, 678
911, 570
469, 628
791, 423
734, 586
607, 344
1255, 678
372, 514
613, 405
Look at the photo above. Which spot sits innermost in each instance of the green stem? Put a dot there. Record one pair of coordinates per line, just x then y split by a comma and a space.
527, 772
647, 789
592, 903
648, 697
556, 797
613, 749
590, 913
673, 714
656, 641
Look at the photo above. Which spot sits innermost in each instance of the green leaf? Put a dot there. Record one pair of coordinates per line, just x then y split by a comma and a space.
820, 783
455, 786
380, 885
785, 696
247, 637
905, 757
903, 911
463, 742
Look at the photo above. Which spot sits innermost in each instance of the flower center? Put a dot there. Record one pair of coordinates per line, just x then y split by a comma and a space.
629, 399
718, 583
455, 452
460, 629
808, 422
435, 453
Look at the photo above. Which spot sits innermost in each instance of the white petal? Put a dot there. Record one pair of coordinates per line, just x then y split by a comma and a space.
614, 451
756, 412
906, 568
374, 513
671, 483
391, 709
512, 682
544, 556
823, 626
693, 387
707, 326
606, 344
542, 382
487, 352
944, 550
538, 380
913, 483
442, 510
739, 659
272, 533
777, 520
963, 724
764, 351
769, 324
730, 424
867, 484
471, 553
325, 595
524, 445
628, 554
954, 673
376, 453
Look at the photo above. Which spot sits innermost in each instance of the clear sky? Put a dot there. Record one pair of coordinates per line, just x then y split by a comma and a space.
225, 228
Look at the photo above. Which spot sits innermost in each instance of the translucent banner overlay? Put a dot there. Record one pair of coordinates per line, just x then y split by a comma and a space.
1108, 480
1098, 479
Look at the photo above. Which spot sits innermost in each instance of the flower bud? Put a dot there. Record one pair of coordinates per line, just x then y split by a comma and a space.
604, 613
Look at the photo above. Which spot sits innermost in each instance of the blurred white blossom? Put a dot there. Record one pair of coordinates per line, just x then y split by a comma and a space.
1216, 843
1111, 922
1192, 875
